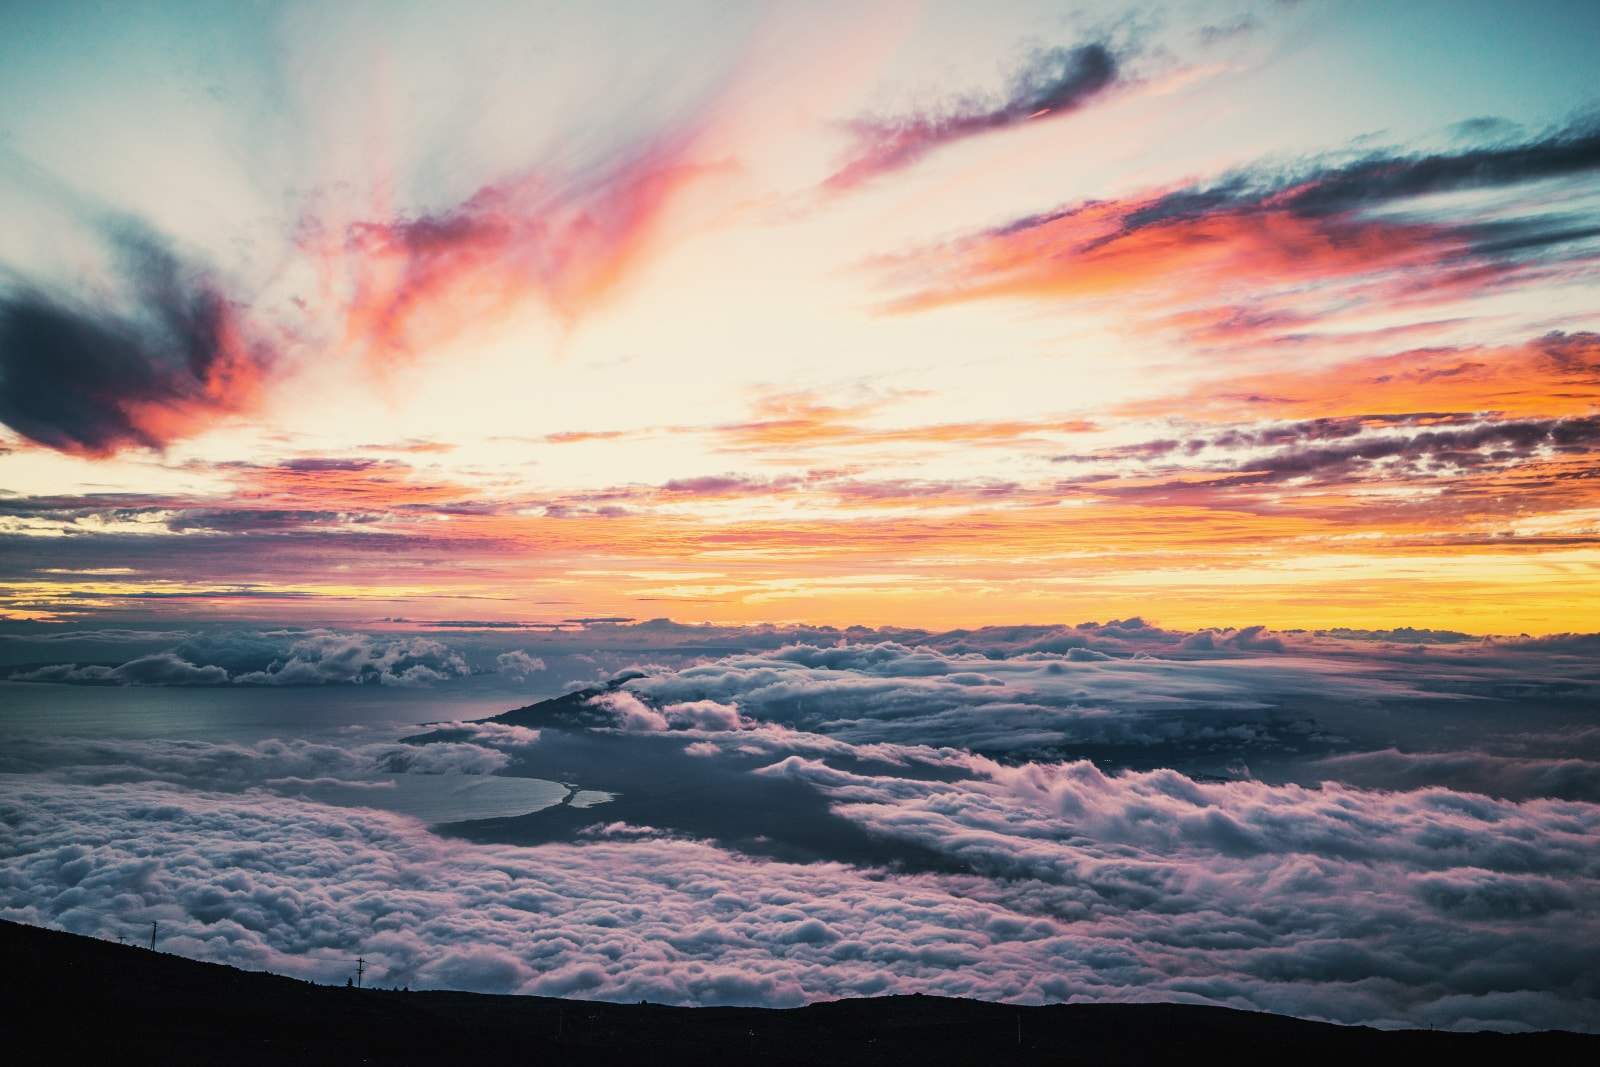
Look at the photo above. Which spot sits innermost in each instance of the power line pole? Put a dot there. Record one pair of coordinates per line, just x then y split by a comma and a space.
153, 936
361, 967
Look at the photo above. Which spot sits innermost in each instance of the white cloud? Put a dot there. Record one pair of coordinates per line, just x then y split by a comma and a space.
518, 664
1420, 908
633, 715
1355, 900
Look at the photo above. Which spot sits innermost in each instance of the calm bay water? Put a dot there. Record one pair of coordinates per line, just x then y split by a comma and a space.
347, 716
236, 713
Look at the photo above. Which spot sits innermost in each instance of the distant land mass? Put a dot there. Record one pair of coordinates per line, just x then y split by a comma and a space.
664, 787
76, 999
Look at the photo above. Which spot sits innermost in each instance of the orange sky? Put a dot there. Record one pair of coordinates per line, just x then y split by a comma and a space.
1131, 323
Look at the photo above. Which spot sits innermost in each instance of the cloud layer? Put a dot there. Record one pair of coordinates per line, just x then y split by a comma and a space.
1392, 828
315, 657
1427, 908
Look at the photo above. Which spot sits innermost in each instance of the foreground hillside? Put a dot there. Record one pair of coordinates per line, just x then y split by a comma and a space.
77, 999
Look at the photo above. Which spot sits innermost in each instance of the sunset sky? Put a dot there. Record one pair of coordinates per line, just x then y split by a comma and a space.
758, 503
926, 315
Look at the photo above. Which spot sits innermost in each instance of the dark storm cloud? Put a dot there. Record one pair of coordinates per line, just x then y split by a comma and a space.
82, 378
1054, 81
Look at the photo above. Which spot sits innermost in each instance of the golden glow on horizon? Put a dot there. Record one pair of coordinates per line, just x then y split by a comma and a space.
1197, 348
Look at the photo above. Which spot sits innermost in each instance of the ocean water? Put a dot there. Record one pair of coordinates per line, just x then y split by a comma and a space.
233, 713
123, 731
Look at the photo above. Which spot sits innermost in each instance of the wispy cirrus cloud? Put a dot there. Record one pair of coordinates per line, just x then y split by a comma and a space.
566, 242
797, 421
1279, 245
1557, 373
1052, 82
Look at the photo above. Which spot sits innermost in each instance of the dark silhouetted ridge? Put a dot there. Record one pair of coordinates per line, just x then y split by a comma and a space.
75, 999
570, 711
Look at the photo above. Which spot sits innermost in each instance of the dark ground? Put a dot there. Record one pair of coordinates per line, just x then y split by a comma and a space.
72, 999
655, 783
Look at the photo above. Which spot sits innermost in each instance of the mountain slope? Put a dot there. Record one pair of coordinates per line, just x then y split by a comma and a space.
78, 999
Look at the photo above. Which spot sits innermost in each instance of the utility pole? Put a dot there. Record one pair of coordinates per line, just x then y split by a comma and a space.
361, 968
153, 925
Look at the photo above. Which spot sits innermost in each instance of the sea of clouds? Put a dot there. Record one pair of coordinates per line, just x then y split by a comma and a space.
1384, 829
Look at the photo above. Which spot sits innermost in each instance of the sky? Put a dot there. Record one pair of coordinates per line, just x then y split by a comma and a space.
903, 314
1047, 502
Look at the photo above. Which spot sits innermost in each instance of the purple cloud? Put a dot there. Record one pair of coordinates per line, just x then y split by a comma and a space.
1053, 82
